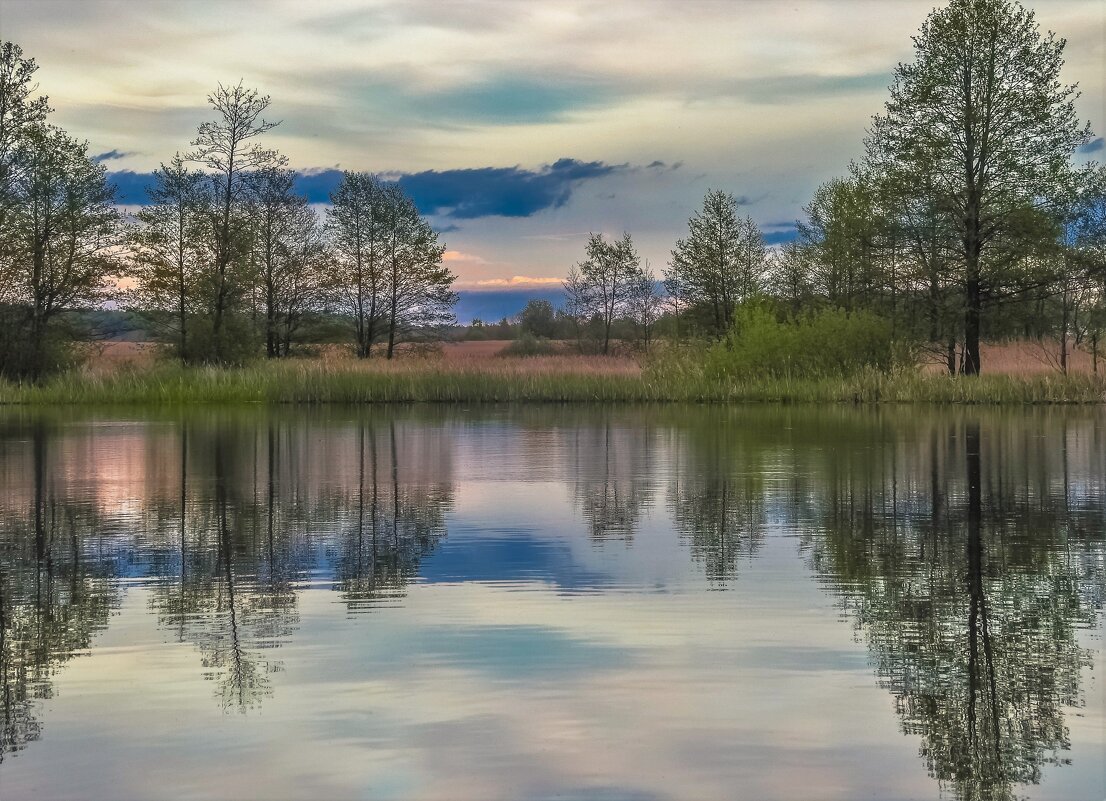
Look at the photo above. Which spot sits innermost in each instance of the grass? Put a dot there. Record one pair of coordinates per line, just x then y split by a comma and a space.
555, 379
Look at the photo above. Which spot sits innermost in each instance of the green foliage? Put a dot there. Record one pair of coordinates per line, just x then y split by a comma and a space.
538, 319
721, 263
529, 345
236, 340
830, 342
671, 377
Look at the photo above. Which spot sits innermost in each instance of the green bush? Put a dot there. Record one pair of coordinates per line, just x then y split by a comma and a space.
829, 342
529, 345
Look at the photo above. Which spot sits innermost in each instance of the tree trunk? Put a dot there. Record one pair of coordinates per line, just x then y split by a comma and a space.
972, 313
1065, 315
272, 339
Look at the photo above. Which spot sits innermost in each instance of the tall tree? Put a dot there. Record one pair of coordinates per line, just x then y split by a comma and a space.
981, 113
721, 263
355, 231
603, 283
20, 113
288, 250
419, 287
168, 247
58, 237
228, 148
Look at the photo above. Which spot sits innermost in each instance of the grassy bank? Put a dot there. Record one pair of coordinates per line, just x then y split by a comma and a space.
554, 380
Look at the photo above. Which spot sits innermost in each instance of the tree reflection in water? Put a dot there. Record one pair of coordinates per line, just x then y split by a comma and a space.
390, 524
56, 588
969, 593
968, 549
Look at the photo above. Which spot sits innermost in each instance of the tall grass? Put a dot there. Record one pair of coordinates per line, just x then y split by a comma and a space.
540, 379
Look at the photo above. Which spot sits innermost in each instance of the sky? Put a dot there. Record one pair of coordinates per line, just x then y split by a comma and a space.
518, 127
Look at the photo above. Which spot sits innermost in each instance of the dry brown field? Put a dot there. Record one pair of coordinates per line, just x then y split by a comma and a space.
1025, 357
1010, 358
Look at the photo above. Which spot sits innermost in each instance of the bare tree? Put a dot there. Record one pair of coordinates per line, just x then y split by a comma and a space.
227, 147
606, 280
419, 295
168, 247
645, 305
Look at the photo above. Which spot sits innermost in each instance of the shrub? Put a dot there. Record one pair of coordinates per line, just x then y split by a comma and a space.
529, 345
829, 342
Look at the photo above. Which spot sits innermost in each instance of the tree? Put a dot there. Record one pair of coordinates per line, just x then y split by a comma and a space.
20, 114
840, 233
645, 305
721, 263
982, 114
419, 289
602, 284
538, 318
288, 247
791, 267
58, 237
169, 247
355, 231
227, 148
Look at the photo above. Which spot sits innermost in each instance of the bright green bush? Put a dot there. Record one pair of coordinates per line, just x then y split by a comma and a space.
829, 342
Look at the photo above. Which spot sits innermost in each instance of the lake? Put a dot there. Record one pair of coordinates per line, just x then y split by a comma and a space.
553, 603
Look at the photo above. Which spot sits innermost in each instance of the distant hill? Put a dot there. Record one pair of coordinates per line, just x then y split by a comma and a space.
493, 305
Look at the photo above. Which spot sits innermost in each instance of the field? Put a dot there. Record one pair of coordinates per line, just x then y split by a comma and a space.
1011, 358
474, 372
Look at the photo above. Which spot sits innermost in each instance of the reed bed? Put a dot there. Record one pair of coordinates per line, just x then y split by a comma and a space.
552, 379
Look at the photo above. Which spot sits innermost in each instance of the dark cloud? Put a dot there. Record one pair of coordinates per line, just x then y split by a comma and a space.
501, 191
1093, 146
130, 187
492, 305
110, 155
458, 194
317, 185
780, 234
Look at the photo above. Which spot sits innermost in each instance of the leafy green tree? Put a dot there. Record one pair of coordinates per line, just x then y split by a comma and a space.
722, 263
538, 318
58, 241
982, 115
840, 231
355, 233
20, 114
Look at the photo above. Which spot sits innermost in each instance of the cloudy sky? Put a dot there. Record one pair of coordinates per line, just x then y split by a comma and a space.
518, 126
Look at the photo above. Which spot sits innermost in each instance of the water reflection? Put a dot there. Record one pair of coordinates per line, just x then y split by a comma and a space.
969, 586
966, 548
389, 525
56, 592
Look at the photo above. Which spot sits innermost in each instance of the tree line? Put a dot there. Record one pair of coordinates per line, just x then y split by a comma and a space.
226, 259
966, 218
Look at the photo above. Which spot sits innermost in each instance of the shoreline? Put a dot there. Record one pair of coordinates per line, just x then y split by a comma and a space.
303, 382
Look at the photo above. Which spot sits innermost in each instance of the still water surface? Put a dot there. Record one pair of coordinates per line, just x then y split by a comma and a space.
631, 603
